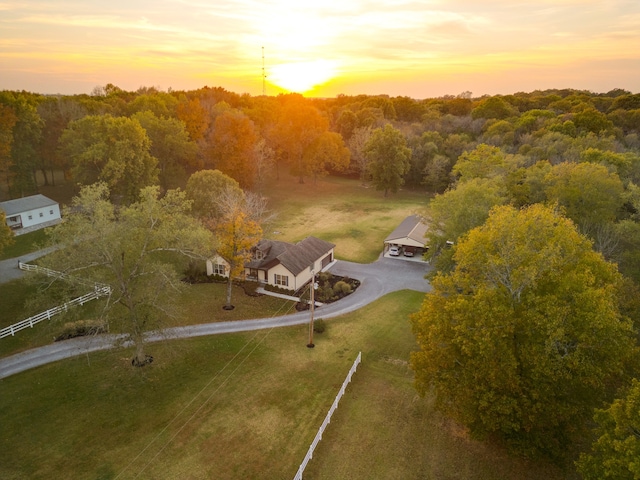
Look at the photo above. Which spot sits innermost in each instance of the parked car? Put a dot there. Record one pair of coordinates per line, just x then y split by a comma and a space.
408, 252
394, 250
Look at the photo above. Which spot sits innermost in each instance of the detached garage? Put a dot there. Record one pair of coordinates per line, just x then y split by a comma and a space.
36, 211
408, 239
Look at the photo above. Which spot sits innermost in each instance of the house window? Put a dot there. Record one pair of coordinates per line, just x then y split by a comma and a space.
50, 212
219, 269
41, 214
281, 280
259, 255
30, 217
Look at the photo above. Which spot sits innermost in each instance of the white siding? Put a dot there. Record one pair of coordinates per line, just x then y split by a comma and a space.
217, 260
38, 216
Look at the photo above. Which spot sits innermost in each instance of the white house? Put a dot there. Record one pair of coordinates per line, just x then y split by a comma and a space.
410, 236
30, 212
281, 264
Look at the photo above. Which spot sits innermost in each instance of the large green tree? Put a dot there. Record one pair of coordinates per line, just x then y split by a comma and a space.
26, 133
455, 212
114, 150
170, 145
233, 147
298, 125
327, 151
204, 189
615, 454
388, 157
130, 249
523, 338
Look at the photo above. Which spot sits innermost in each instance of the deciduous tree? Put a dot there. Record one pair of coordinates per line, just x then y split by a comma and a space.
6, 234
356, 144
388, 157
299, 124
237, 232
233, 146
26, 131
7, 121
615, 454
326, 151
115, 150
524, 337
121, 247
170, 145
205, 188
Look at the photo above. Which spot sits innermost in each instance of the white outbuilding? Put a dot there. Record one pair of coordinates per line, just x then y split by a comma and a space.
30, 213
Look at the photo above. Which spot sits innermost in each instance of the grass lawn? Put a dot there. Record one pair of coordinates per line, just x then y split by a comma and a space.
244, 406
340, 210
22, 244
201, 303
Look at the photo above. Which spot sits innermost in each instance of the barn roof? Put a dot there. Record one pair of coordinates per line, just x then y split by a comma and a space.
26, 204
411, 228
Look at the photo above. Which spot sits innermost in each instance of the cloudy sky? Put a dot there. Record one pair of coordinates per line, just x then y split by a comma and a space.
418, 48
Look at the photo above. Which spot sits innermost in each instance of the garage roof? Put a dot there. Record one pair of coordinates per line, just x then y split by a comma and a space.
26, 204
411, 232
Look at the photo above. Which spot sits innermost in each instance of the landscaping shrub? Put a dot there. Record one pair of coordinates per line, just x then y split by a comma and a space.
250, 288
319, 326
273, 288
81, 328
342, 288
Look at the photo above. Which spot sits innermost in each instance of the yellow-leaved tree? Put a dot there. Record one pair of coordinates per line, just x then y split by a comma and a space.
523, 338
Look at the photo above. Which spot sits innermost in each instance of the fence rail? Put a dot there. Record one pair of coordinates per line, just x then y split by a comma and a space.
327, 419
99, 290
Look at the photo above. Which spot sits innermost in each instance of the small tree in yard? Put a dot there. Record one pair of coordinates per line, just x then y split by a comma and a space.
237, 232
126, 249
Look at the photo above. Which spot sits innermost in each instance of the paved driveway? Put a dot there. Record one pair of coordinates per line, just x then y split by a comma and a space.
377, 279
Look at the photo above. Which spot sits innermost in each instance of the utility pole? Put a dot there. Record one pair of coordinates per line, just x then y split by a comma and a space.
264, 76
313, 306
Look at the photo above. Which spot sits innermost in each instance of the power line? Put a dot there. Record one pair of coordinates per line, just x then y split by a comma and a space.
195, 397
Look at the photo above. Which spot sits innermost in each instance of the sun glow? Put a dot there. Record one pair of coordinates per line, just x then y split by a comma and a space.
301, 77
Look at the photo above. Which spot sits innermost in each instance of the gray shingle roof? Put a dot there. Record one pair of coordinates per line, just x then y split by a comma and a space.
294, 257
26, 204
411, 227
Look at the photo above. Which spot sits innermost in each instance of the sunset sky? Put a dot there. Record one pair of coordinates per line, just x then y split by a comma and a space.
417, 48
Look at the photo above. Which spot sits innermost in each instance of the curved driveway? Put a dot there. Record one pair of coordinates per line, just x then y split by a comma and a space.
377, 279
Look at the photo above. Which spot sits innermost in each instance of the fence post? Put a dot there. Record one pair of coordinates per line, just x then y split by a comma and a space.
327, 419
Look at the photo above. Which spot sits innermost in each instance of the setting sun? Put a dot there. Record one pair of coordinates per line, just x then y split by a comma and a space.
300, 77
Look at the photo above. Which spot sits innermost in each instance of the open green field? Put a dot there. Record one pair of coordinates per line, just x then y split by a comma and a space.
244, 406
340, 210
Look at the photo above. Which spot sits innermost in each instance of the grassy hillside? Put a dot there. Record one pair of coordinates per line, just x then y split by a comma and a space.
244, 406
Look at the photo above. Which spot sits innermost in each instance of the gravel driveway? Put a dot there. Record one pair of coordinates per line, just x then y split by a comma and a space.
376, 280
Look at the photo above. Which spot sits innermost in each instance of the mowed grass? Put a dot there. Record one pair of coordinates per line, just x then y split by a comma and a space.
22, 244
200, 303
340, 210
244, 406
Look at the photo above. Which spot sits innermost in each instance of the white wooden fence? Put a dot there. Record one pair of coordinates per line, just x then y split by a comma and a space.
327, 419
99, 290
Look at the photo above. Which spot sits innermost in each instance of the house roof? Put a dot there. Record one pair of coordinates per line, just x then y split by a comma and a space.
294, 257
26, 204
412, 229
